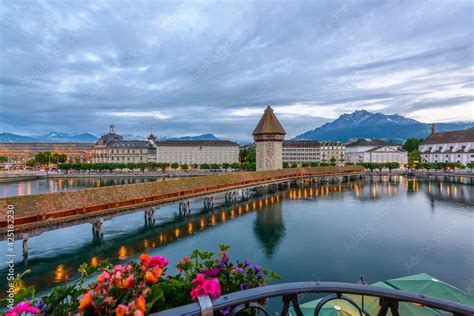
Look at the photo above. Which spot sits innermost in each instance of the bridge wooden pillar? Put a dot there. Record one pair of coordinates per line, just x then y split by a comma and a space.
25, 246
230, 197
98, 229
184, 207
149, 216
209, 202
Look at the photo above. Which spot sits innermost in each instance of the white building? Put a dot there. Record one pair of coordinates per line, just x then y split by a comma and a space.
113, 148
197, 151
455, 146
301, 151
333, 152
362, 151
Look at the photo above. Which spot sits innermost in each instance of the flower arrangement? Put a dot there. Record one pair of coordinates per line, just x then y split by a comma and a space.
138, 288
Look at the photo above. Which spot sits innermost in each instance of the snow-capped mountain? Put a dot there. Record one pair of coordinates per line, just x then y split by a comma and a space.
364, 124
49, 137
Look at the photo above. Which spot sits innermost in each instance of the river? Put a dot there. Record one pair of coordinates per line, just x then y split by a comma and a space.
382, 228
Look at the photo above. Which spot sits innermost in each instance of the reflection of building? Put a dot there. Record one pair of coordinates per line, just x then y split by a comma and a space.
269, 227
375, 150
269, 136
455, 146
19, 153
113, 148
300, 151
197, 151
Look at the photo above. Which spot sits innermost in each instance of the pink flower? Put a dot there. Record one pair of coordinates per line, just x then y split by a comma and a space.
203, 287
23, 307
118, 267
157, 261
199, 280
105, 276
213, 288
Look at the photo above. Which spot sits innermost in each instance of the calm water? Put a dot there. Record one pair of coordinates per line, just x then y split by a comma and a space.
57, 184
384, 229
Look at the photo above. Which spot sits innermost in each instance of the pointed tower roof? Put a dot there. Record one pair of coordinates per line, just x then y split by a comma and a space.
269, 124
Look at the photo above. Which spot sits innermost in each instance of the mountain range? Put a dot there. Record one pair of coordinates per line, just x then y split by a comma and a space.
363, 124
55, 137
52, 137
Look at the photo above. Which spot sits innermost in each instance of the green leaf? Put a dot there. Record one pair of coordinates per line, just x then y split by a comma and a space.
155, 294
24, 293
224, 247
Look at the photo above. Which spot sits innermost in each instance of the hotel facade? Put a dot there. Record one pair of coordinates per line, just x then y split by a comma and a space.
378, 151
308, 151
113, 148
455, 146
191, 152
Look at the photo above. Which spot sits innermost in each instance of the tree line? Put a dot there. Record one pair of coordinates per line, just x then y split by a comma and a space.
142, 166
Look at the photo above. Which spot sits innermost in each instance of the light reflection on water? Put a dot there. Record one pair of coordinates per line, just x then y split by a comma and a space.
299, 233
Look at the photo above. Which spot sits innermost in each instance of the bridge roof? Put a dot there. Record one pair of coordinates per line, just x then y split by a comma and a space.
49, 203
269, 124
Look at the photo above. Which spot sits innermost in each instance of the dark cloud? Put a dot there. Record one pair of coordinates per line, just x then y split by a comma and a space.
191, 67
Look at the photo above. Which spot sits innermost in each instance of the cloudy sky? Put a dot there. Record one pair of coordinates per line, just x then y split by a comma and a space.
192, 67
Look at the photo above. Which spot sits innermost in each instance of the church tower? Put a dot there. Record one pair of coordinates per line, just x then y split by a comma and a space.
269, 136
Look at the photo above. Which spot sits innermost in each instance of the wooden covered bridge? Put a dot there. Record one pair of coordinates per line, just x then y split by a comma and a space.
30, 215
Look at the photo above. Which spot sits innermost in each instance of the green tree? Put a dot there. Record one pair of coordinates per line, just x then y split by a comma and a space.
470, 165
175, 165
333, 161
248, 155
225, 165
286, 165
43, 157
205, 166
215, 166
412, 144
184, 167
294, 165
58, 158
235, 166
392, 165
3, 159
305, 164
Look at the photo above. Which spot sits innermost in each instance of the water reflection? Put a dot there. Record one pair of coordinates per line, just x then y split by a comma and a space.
269, 228
269, 225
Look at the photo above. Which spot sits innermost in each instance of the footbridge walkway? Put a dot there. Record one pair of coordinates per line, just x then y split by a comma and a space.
27, 216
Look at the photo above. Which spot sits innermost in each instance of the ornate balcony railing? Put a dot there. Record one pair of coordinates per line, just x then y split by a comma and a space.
389, 300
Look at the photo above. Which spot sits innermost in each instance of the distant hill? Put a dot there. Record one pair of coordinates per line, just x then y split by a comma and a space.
198, 137
52, 137
364, 124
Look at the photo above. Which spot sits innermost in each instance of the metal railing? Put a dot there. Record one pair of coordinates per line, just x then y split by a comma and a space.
389, 300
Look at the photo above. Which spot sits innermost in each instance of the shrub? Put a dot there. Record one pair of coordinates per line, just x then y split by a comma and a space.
144, 287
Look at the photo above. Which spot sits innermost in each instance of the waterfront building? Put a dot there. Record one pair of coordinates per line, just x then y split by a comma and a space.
19, 153
304, 151
301, 151
269, 136
454, 146
191, 152
333, 152
113, 148
363, 151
